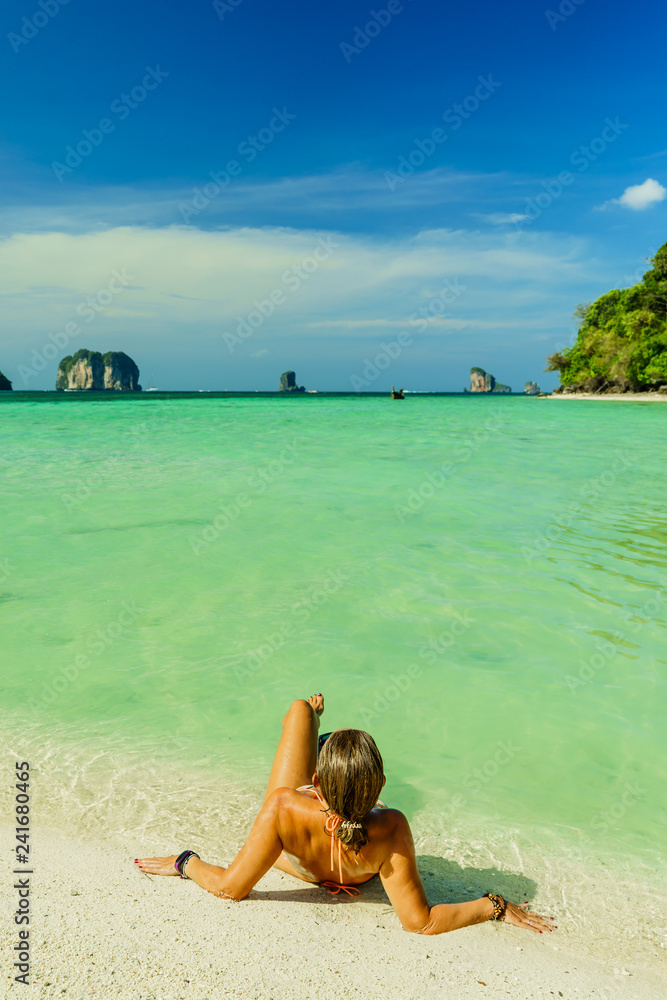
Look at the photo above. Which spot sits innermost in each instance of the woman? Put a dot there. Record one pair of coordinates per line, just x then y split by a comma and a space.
335, 828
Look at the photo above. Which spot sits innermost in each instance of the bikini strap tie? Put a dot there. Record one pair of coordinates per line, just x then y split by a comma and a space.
334, 888
331, 825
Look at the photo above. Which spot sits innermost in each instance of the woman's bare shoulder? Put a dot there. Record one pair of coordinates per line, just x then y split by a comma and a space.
292, 798
387, 822
386, 812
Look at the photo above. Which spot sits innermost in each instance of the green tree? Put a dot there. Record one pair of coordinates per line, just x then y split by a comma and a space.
622, 338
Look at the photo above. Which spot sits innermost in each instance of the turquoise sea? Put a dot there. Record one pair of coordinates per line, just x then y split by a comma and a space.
478, 581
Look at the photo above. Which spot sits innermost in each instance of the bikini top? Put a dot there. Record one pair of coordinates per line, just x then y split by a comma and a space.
331, 825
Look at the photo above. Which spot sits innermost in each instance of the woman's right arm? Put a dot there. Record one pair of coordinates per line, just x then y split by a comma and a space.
402, 883
260, 851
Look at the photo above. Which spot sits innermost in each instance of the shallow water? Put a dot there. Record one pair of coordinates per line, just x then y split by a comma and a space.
477, 581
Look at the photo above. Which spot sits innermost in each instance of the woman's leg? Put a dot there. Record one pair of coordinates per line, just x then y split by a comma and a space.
296, 756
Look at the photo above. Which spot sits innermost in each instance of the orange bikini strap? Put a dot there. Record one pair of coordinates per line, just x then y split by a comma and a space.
331, 825
334, 888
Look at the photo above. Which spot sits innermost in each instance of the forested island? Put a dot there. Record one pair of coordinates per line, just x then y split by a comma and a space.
622, 341
5, 384
95, 371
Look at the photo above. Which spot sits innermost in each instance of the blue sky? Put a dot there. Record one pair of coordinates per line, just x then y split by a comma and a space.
386, 185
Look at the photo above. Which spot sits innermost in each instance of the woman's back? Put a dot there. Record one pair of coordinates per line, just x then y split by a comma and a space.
307, 845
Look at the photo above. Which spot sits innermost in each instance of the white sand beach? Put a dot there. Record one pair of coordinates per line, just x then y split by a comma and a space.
101, 929
626, 397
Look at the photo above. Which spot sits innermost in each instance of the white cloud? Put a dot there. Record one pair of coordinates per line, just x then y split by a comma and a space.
501, 218
187, 287
640, 196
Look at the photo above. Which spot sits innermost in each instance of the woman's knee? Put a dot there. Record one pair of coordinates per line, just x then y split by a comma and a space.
298, 709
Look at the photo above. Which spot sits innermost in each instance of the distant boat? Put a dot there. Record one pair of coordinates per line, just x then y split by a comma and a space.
397, 393
152, 389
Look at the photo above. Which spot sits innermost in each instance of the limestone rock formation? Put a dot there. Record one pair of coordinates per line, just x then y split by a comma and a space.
120, 372
288, 383
5, 384
92, 370
532, 389
481, 381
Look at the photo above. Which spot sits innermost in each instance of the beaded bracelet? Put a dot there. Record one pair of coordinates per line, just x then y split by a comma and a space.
182, 860
499, 905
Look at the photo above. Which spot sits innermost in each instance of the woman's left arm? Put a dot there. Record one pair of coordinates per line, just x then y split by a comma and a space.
260, 851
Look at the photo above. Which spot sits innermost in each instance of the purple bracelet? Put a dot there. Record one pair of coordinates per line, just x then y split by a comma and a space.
180, 861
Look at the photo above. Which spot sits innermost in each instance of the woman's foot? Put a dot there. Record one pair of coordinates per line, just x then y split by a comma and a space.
316, 701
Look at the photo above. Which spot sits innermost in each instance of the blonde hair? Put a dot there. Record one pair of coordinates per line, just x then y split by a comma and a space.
351, 774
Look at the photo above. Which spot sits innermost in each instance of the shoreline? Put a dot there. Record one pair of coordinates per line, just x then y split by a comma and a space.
100, 928
628, 397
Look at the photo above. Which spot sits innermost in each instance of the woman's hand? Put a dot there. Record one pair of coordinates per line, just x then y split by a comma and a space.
520, 916
157, 866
